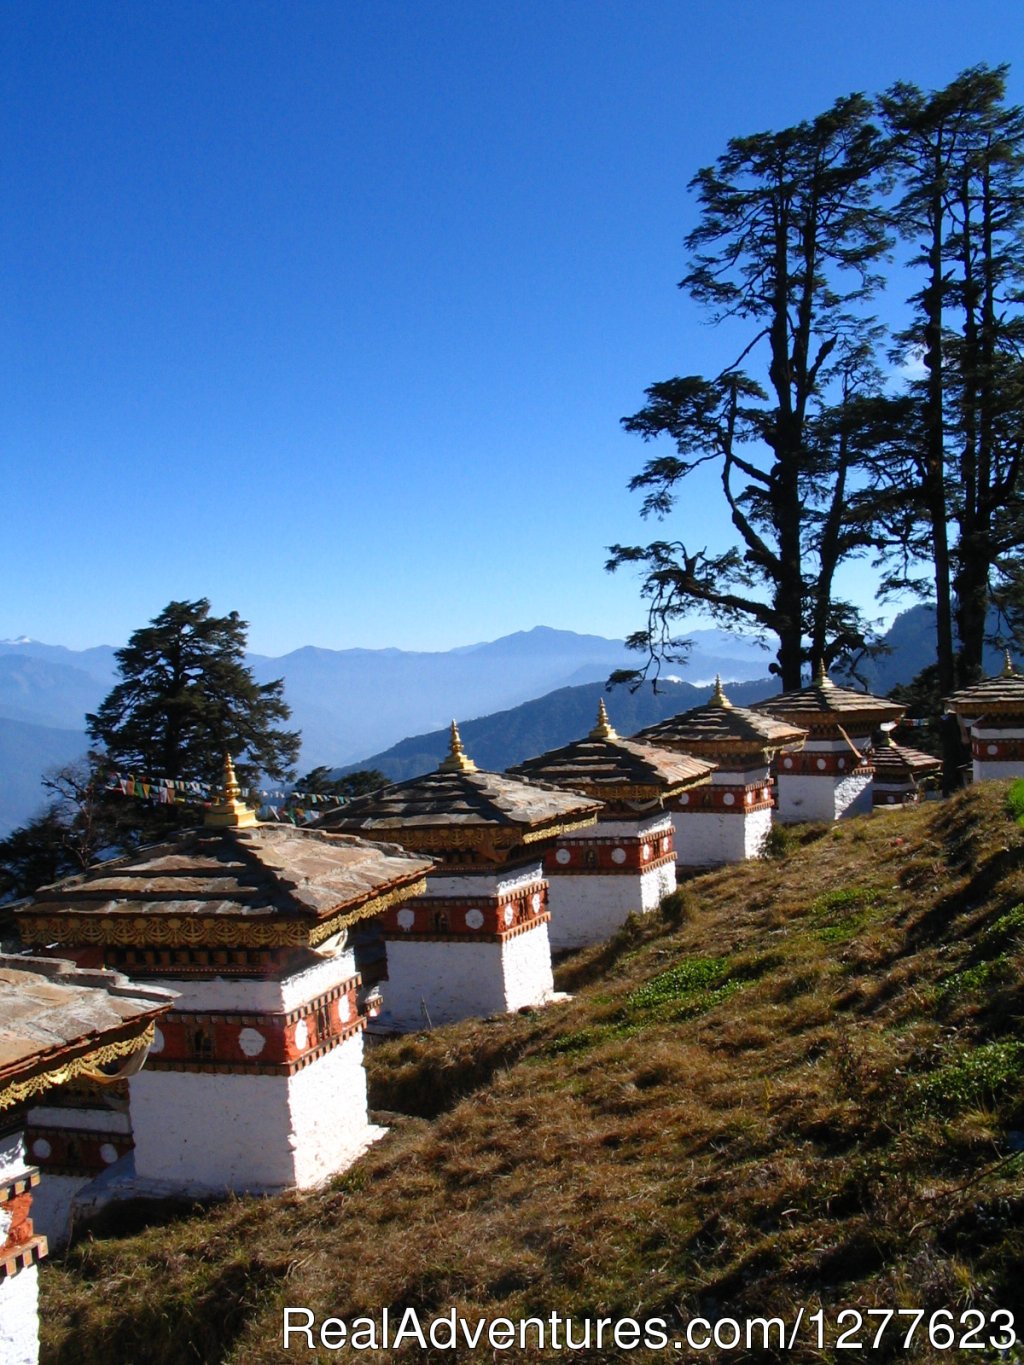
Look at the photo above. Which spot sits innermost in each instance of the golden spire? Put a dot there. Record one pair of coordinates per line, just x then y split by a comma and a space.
457, 760
230, 812
1008, 669
718, 697
603, 729
821, 673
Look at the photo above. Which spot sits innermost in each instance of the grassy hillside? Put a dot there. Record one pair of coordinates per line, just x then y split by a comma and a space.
799, 1087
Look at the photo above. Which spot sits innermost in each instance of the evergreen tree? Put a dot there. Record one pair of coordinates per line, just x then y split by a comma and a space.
787, 242
186, 698
959, 152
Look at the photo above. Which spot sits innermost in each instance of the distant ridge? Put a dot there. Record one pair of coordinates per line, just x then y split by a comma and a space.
495, 742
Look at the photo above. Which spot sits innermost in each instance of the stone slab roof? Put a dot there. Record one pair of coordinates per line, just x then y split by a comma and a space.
894, 762
469, 799
822, 706
58, 1021
614, 767
262, 886
999, 696
724, 733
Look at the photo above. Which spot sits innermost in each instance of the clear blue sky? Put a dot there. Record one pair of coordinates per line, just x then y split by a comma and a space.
328, 311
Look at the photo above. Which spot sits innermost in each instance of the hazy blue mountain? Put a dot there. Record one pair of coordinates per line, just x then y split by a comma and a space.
26, 751
911, 647
350, 702
346, 702
495, 742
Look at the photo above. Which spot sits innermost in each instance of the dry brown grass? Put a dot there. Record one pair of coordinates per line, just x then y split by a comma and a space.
801, 1089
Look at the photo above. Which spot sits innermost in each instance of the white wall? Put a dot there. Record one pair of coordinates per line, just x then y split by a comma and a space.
19, 1317
805, 797
589, 909
708, 838
464, 980
215, 1132
263, 997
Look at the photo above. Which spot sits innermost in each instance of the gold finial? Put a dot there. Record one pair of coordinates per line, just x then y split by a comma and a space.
1008, 669
457, 760
718, 697
821, 673
230, 812
603, 729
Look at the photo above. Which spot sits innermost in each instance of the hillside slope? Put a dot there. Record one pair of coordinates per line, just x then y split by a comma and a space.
798, 1087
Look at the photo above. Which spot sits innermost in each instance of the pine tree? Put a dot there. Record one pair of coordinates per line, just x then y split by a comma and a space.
959, 152
186, 698
787, 242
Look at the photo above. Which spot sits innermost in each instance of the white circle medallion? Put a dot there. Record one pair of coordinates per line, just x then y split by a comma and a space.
41, 1148
728, 799
618, 855
787, 763
563, 856
474, 919
301, 1034
821, 765
406, 918
251, 1041
157, 1045
993, 748
684, 799
109, 1153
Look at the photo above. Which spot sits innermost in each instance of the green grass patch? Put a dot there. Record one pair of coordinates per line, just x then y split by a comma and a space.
842, 913
1015, 801
972, 980
979, 1076
691, 975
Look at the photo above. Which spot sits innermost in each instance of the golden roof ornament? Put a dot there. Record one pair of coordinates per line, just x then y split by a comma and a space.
458, 760
821, 673
230, 812
604, 728
718, 697
1008, 669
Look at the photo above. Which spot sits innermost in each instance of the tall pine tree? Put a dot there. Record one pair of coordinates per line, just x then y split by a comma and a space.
787, 243
186, 698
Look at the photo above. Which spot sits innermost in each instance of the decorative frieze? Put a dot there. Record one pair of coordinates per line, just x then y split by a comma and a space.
267, 1044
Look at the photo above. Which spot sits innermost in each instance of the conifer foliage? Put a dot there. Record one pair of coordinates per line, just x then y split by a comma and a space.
822, 453
186, 698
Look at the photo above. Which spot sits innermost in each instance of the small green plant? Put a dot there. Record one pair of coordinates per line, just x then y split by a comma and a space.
976, 978
1015, 800
780, 842
979, 1075
1007, 929
676, 906
692, 974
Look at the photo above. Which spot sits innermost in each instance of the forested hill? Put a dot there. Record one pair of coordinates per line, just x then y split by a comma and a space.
494, 742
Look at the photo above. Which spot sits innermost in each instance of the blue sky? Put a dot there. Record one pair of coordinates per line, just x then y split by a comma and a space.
329, 311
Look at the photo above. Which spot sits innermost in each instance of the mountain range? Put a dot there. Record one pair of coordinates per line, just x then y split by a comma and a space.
390, 708
347, 703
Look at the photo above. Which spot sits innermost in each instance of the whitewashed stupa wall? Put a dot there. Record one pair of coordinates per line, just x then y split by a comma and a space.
19, 1291
710, 838
633, 868
254, 1084
19, 1317
476, 944
72, 1145
997, 751
726, 821
823, 783
202, 1133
